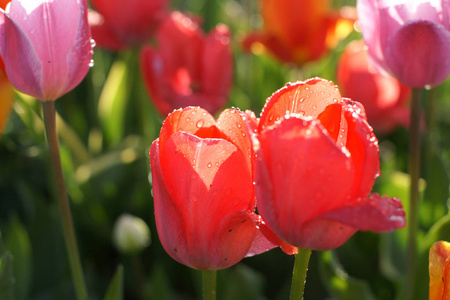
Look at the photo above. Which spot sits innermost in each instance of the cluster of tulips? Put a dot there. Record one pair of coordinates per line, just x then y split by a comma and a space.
300, 175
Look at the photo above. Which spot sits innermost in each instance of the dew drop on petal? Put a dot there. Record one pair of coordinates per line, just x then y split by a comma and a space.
209, 165
91, 63
93, 43
200, 123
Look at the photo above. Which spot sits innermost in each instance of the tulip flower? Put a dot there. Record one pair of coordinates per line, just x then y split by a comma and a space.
6, 89
384, 98
46, 46
188, 68
6, 97
439, 269
408, 39
116, 25
202, 174
300, 31
316, 163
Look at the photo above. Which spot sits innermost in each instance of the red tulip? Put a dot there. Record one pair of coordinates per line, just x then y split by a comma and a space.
384, 98
202, 173
46, 46
188, 68
118, 24
317, 161
300, 31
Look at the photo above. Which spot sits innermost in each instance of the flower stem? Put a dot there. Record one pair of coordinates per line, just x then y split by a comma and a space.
209, 284
299, 273
414, 172
63, 201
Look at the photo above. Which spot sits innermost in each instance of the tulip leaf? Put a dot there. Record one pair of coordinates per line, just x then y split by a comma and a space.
115, 289
436, 192
6, 274
339, 284
18, 243
113, 100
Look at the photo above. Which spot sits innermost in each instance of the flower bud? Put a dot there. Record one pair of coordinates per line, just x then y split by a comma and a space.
131, 234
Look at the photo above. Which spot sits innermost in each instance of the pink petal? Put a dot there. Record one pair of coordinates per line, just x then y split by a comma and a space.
301, 173
418, 54
24, 67
60, 40
376, 213
307, 98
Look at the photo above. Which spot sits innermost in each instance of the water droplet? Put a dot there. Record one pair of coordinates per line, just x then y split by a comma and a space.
301, 100
93, 43
335, 100
314, 107
200, 123
188, 119
217, 164
239, 125
91, 63
209, 165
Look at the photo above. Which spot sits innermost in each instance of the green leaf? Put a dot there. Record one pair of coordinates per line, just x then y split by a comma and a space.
113, 100
6, 274
115, 289
18, 243
339, 284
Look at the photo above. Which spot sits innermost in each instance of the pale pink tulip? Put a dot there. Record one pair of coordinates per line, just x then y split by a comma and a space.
46, 46
408, 39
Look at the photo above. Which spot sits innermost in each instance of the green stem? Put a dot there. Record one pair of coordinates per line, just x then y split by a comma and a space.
209, 284
63, 201
299, 273
414, 172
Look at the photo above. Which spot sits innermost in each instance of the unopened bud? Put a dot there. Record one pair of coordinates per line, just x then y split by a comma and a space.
131, 234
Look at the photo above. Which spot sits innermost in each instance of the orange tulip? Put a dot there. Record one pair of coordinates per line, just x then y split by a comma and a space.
6, 88
299, 31
439, 269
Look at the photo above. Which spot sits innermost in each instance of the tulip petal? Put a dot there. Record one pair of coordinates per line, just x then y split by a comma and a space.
376, 213
24, 67
418, 53
170, 222
215, 182
439, 269
48, 48
307, 98
217, 56
363, 147
231, 239
189, 120
233, 124
302, 151
323, 234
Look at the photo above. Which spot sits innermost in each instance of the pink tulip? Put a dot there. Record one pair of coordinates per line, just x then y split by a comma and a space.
46, 46
409, 39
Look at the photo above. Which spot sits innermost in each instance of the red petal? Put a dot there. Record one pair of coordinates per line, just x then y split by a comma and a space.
323, 234
376, 213
301, 174
233, 124
208, 179
170, 222
363, 147
231, 240
189, 119
308, 98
